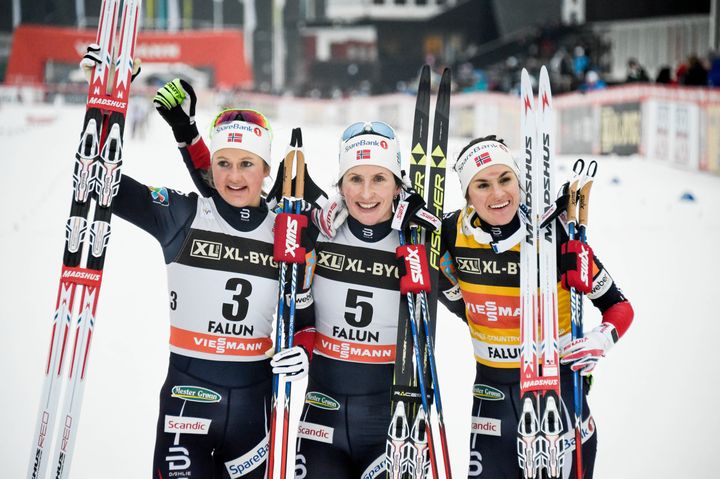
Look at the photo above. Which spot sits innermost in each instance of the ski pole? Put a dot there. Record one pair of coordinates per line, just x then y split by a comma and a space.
280, 332
420, 375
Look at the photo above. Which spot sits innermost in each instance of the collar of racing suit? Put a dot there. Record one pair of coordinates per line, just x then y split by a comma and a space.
371, 234
501, 238
242, 219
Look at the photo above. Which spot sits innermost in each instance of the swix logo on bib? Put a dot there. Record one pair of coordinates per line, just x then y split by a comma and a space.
223, 290
357, 299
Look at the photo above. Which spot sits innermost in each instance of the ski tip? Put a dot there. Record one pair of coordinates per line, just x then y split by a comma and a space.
525, 83
298, 137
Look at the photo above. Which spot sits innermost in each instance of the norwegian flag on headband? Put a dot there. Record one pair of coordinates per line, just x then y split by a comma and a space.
235, 137
483, 158
363, 155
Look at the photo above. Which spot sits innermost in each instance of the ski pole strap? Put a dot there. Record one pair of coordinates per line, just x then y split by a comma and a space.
414, 268
576, 266
288, 231
556, 209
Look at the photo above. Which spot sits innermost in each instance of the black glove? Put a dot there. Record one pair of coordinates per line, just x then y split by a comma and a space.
557, 208
175, 101
411, 209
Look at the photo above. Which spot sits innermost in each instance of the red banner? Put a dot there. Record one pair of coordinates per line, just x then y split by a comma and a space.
220, 51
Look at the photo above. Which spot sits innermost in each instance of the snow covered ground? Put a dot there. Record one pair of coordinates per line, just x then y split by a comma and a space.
652, 398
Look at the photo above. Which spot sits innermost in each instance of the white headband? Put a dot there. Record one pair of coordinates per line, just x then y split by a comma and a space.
369, 149
243, 136
480, 156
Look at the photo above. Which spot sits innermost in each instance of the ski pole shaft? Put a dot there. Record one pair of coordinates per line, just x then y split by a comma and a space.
280, 331
430, 348
421, 375
297, 195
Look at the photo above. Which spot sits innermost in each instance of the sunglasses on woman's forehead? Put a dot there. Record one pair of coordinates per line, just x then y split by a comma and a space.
237, 114
361, 128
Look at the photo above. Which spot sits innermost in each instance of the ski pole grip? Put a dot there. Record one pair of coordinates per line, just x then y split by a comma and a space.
287, 174
288, 231
300, 174
417, 275
572, 200
584, 200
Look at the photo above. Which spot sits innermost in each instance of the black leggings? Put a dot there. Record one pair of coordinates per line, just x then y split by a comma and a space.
206, 430
493, 440
342, 436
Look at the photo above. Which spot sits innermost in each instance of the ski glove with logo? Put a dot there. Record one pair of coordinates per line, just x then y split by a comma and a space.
411, 209
92, 58
176, 101
331, 216
584, 353
292, 362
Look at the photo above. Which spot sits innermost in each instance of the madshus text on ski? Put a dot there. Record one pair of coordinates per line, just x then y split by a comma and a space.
269, 288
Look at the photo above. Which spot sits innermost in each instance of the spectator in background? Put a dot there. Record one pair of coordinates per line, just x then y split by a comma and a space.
714, 74
636, 73
592, 82
680, 73
665, 76
696, 74
581, 62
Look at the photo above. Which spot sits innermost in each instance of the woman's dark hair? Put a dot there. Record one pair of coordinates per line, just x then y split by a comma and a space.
478, 140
